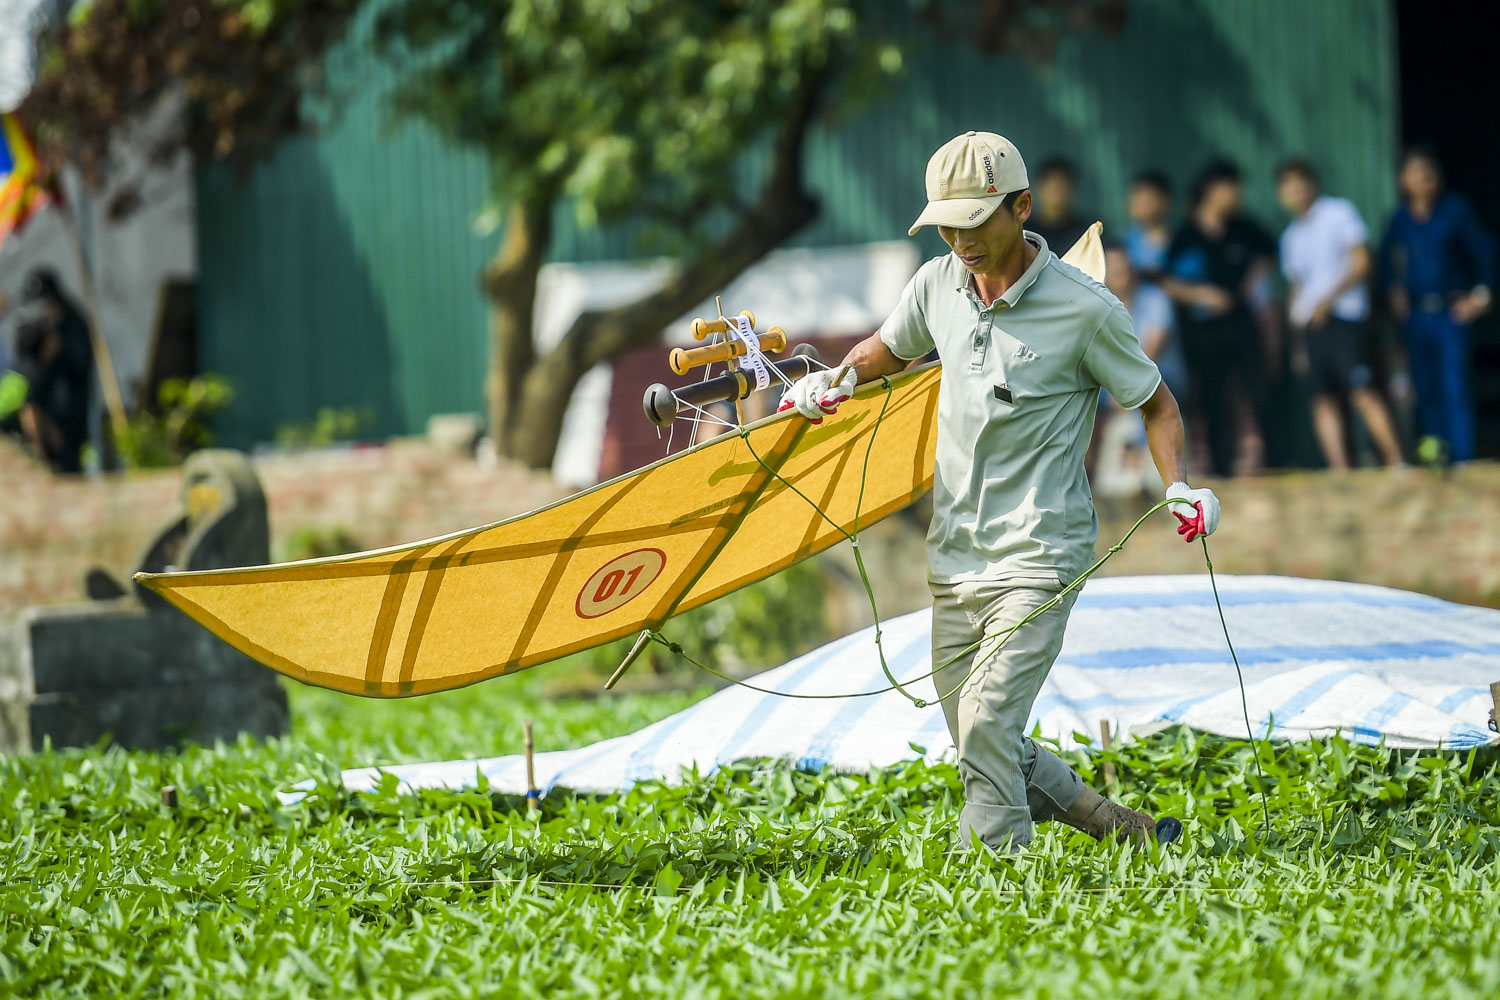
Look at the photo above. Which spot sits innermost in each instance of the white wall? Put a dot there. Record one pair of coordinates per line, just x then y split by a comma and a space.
809, 293
131, 259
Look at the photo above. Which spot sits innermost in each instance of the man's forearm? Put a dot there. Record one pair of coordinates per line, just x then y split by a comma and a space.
1165, 434
870, 359
1186, 292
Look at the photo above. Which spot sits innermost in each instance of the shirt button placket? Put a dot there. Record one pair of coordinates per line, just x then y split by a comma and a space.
981, 342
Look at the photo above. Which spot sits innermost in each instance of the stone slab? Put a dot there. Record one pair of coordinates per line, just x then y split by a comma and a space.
116, 646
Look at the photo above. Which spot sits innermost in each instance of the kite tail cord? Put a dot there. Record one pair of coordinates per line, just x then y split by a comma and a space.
852, 536
895, 685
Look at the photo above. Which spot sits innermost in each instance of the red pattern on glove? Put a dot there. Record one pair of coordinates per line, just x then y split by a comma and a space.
830, 404
787, 404
1191, 527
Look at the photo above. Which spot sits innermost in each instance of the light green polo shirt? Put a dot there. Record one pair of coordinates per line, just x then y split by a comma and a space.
1021, 382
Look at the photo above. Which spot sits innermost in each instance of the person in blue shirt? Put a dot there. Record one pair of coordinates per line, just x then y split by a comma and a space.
1437, 264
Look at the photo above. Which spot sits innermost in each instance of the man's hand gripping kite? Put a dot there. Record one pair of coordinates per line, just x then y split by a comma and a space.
817, 394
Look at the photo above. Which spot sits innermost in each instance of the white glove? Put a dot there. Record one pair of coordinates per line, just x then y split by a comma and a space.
1197, 512
815, 395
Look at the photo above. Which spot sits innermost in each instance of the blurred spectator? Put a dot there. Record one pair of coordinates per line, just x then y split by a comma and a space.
1150, 234
1325, 255
1437, 264
55, 360
1121, 463
1053, 218
1216, 269
1151, 311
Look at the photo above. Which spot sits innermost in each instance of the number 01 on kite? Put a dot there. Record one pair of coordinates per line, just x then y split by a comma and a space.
609, 562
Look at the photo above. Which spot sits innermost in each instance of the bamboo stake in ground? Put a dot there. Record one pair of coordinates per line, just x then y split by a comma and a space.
1109, 765
532, 795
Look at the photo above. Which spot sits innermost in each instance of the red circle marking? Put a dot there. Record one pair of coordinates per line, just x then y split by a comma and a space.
618, 582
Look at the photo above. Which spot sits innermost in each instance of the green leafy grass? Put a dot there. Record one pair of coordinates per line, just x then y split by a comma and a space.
1380, 875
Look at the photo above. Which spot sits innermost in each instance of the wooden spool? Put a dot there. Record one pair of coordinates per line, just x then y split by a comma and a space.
684, 360
704, 328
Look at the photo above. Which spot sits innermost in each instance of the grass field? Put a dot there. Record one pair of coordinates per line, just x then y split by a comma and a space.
1380, 876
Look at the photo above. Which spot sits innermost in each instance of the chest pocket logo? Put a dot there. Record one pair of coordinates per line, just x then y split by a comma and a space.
1024, 353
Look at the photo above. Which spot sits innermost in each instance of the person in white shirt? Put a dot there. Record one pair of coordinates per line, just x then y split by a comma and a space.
1326, 258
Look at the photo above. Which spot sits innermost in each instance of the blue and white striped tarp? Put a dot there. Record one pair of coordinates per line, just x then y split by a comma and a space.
1319, 658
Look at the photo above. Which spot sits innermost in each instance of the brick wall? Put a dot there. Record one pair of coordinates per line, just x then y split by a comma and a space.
1435, 533
52, 528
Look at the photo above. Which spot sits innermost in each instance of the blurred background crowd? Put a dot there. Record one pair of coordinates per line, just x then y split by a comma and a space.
295, 224
1200, 285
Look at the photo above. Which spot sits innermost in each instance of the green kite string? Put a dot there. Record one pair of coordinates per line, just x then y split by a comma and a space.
852, 536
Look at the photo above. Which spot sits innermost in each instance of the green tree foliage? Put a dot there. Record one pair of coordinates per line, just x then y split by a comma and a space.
628, 108
689, 119
651, 110
686, 118
164, 435
242, 65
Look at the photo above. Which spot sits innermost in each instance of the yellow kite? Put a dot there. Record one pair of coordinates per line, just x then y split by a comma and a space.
602, 564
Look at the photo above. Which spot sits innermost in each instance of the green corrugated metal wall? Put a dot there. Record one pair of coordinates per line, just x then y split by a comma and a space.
345, 271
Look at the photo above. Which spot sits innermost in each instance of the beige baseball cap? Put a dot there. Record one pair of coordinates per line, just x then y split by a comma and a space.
968, 178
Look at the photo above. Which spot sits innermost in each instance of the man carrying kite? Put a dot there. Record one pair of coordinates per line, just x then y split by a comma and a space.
1027, 342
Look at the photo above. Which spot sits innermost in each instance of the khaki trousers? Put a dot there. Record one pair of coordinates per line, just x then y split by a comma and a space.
1009, 781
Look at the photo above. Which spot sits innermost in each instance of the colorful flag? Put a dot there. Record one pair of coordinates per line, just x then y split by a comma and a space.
20, 193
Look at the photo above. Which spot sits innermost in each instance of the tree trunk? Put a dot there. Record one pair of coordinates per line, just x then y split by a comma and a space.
782, 208
510, 284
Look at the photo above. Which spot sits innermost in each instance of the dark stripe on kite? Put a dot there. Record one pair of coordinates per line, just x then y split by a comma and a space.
385, 621
731, 520
929, 417
430, 586
560, 565
814, 522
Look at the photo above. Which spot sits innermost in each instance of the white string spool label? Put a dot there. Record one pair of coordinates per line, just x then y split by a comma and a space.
753, 359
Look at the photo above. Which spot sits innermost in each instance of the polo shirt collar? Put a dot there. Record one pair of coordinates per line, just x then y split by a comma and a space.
1028, 277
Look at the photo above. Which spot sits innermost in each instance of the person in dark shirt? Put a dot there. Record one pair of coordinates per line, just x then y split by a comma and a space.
1055, 219
1215, 272
56, 360
1437, 264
